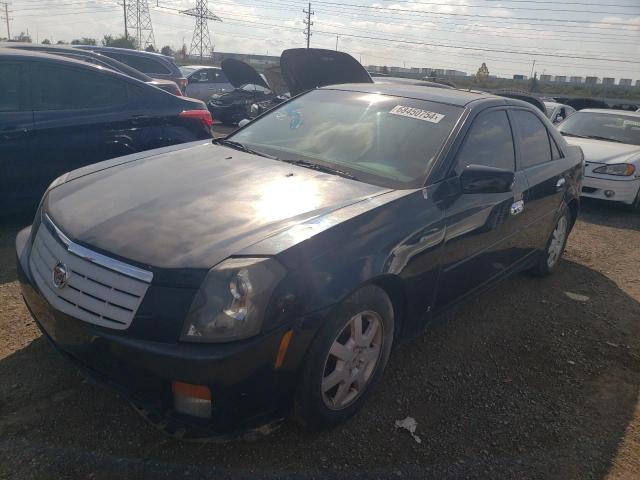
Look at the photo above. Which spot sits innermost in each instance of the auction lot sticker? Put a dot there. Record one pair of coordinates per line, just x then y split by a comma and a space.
417, 113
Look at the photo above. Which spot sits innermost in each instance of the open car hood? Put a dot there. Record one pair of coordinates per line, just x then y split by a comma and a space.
308, 68
239, 73
276, 82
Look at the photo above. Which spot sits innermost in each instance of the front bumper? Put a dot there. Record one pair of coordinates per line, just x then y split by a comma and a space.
624, 191
247, 391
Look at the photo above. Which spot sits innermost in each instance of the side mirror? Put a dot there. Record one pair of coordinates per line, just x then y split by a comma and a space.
483, 179
559, 118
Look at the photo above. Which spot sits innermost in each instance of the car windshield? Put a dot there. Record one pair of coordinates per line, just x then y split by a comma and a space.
606, 126
384, 140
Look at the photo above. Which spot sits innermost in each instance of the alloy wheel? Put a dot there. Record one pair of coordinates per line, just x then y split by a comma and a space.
352, 360
557, 242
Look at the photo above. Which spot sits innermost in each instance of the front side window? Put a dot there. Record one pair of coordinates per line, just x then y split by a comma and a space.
62, 88
603, 126
384, 140
489, 143
534, 139
9, 87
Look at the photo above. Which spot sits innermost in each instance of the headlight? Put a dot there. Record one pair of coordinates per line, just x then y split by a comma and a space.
622, 169
232, 301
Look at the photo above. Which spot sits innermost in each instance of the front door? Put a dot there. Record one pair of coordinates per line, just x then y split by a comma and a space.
16, 124
482, 229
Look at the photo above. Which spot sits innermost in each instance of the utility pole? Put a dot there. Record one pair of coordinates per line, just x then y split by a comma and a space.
7, 18
138, 20
124, 11
532, 67
307, 21
201, 40
337, 36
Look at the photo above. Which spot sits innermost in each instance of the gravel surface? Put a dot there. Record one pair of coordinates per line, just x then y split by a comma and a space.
538, 378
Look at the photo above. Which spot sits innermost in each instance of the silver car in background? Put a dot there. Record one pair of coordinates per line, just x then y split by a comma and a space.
557, 112
204, 81
610, 140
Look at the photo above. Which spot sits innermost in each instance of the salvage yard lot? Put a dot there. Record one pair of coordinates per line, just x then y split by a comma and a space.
537, 378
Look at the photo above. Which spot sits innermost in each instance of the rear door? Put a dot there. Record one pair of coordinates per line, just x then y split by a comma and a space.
81, 116
547, 172
16, 124
482, 229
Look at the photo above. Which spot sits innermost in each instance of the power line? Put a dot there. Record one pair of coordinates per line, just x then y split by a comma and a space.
416, 2
201, 40
405, 10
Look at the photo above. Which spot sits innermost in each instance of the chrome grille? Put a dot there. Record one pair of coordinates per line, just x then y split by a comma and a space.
98, 289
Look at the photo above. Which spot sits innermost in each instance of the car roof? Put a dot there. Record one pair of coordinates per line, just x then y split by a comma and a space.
128, 51
611, 111
452, 96
20, 53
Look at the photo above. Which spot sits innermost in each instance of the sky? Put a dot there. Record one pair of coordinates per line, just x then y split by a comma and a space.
572, 37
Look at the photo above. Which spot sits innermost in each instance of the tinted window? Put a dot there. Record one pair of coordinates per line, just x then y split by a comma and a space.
60, 88
9, 87
384, 140
144, 64
534, 139
489, 142
216, 76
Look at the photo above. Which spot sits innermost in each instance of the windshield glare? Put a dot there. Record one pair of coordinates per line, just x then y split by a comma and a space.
621, 128
384, 140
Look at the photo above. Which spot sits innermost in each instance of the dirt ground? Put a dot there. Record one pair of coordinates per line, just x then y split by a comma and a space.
539, 378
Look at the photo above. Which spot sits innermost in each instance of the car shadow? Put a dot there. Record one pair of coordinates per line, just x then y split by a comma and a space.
599, 212
7, 252
536, 378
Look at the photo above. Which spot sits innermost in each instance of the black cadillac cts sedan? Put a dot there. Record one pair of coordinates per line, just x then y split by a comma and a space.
224, 286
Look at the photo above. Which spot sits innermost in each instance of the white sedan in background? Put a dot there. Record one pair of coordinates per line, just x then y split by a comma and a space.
610, 140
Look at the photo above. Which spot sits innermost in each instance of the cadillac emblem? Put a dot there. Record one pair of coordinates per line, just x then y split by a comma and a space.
60, 275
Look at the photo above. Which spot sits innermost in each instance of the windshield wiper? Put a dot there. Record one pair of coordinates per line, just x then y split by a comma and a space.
567, 134
239, 146
597, 137
319, 168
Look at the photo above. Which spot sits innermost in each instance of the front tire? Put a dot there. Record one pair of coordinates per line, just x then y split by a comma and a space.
346, 359
550, 257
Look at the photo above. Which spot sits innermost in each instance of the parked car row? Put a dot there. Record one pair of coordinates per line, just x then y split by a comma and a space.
223, 285
59, 113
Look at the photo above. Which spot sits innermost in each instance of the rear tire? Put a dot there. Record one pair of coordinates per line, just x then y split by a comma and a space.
549, 258
346, 359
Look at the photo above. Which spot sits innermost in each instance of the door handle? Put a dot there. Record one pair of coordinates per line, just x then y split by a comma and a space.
517, 207
560, 183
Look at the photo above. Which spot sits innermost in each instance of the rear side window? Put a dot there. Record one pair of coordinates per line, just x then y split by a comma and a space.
489, 142
216, 76
535, 147
9, 87
144, 64
62, 88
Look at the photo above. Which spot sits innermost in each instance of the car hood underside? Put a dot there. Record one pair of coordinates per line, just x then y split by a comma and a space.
194, 207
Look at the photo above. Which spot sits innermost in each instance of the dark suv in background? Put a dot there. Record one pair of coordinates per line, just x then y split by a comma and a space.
155, 65
58, 114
